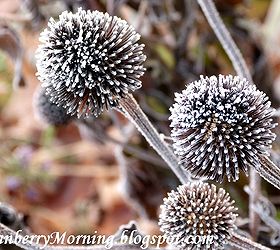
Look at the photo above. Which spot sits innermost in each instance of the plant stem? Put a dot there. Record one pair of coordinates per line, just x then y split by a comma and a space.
269, 171
255, 186
134, 113
241, 242
225, 38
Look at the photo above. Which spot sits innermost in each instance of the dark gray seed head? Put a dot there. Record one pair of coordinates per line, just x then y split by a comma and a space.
7, 214
12, 219
220, 125
198, 209
87, 61
49, 112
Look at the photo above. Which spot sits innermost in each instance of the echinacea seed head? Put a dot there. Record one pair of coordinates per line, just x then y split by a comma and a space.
198, 209
87, 61
7, 214
49, 112
220, 125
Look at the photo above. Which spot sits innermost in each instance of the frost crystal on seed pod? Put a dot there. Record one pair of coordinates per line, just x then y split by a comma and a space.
220, 125
89, 60
198, 209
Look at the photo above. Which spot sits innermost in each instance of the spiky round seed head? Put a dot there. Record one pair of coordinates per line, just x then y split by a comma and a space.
47, 111
7, 214
198, 209
220, 125
87, 61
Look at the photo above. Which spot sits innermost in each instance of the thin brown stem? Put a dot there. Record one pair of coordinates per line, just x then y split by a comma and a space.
241, 242
11, 17
134, 113
225, 38
255, 185
269, 171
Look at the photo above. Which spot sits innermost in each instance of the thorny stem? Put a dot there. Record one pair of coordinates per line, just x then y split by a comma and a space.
134, 113
239, 64
241, 242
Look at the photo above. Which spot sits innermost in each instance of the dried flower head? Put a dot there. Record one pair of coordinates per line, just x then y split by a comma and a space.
47, 111
89, 60
7, 214
12, 218
198, 209
220, 125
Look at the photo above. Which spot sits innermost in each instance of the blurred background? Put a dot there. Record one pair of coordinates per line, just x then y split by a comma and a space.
81, 178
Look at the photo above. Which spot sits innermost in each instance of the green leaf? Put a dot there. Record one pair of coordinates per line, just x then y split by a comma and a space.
165, 55
47, 136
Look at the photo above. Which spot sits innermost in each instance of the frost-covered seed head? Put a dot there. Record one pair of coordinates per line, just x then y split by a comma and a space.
198, 209
49, 112
220, 125
89, 60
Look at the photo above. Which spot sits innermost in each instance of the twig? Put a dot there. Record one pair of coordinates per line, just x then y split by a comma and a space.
268, 218
254, 219
37, 18
141, 15
185, 29
269, 171
134, 113
244, 243
11, 17
225, 38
